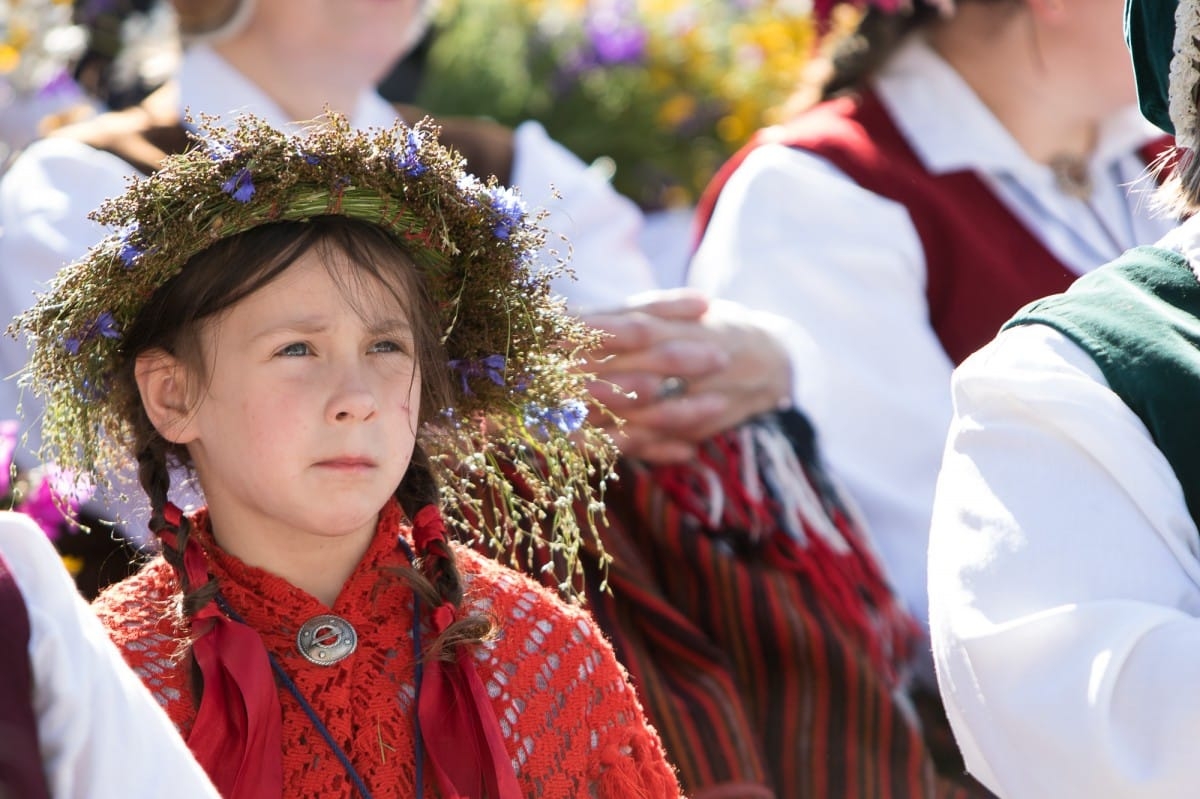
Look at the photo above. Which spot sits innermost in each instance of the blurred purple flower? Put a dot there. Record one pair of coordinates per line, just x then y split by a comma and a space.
566, 418
615, 36
407, 159
491, 367
510, 208
54, 499
39, 506
61, 85
219, 150
72, 488
104, 325
91, 10
240, 187
130, 252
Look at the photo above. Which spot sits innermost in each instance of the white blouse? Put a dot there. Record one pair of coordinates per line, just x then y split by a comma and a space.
100, 731
1064, 580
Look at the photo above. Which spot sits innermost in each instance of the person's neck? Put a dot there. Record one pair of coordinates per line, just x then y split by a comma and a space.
318, 565
1002, 67
303, 90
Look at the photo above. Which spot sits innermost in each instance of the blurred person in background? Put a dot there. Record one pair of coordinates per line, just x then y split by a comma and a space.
963, 159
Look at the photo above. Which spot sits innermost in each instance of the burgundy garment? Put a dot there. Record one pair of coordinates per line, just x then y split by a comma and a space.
21, 775
982, 264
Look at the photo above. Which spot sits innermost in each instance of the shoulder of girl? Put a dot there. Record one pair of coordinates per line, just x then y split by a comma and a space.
534, 621
488, 581
139, 609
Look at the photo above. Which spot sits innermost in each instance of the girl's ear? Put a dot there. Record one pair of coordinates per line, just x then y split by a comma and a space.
162, 381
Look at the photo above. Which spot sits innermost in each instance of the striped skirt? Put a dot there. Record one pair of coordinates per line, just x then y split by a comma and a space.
767, 649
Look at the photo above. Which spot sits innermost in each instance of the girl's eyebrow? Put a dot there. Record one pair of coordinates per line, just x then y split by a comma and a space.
319, 324
397, 324
302, 324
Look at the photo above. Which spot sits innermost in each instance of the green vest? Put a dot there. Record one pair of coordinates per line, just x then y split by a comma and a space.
1139, 319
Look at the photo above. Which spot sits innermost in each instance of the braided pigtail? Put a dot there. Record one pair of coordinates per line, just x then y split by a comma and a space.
155, 479
435, 578
173, 530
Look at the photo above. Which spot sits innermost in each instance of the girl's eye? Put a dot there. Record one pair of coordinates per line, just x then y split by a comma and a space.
295, 350
387, 346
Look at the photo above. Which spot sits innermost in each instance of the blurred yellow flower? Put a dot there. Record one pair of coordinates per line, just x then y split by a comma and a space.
677, 110
10, 58
38, 39
664, 89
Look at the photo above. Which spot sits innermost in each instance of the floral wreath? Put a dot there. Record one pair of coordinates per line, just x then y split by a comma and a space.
520, 404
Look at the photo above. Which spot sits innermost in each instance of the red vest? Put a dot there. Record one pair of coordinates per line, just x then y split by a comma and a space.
982, 264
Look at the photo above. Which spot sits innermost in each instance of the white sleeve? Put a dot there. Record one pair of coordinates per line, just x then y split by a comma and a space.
841, 273
100, 731
601, 226
1064, 583
45, 198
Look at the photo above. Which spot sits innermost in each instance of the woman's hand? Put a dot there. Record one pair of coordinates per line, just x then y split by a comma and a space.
679, 369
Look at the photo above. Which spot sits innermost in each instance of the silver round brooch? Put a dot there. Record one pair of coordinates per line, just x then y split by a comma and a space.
327, 639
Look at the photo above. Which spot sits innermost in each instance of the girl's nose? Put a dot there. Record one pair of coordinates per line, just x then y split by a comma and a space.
352, 400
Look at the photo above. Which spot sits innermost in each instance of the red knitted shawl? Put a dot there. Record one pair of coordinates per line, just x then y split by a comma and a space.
570, 721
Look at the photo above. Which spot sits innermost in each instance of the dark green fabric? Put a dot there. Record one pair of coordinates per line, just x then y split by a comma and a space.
1150, 35
1139, 319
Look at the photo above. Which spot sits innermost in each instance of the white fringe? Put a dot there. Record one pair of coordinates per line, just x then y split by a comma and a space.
781, 469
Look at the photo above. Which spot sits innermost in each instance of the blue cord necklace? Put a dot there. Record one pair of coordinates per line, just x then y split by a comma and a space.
294, 690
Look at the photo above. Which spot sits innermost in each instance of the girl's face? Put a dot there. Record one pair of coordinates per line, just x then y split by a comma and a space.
306, 420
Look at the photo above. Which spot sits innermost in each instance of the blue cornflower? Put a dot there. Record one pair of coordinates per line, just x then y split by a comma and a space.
509, 207
130, 252
103, 325
567, 418
240, 187
491, 367
468, 184
408, 159
219, 150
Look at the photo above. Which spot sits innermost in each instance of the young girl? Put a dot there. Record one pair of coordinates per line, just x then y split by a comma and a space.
320, 326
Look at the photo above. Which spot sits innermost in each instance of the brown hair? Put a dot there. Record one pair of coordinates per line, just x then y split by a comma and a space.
851, 60
207, 286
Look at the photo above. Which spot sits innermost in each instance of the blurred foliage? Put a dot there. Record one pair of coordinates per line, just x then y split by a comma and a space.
660, 91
